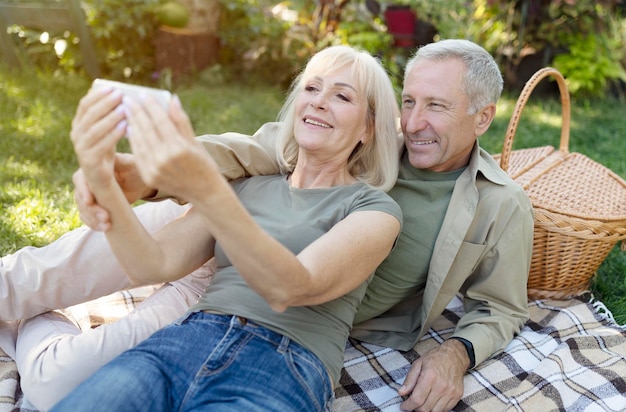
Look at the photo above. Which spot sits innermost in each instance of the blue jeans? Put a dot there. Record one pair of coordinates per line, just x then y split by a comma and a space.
208, 362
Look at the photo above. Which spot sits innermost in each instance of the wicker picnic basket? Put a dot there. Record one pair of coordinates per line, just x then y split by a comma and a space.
579, 205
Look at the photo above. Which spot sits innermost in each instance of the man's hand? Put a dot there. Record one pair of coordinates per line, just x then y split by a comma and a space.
435, 381
127, 176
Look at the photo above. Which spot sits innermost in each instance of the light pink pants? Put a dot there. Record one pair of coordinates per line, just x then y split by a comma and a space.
52, 354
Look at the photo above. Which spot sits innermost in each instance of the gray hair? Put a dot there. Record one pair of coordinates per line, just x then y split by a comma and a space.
375, 162
482, 82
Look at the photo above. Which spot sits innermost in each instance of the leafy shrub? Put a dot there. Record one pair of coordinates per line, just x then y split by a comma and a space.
260, 40
254, 41
592, 61
122, 31
593, 48
270, 41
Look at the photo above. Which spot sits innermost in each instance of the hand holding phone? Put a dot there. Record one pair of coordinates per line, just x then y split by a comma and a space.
162, 96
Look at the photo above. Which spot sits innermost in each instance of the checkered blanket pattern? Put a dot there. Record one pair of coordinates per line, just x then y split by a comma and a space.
570, 356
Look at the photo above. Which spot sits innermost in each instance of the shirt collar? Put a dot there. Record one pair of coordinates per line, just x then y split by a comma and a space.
481, 161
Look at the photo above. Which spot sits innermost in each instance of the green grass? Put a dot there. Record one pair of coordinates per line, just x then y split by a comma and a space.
37, 159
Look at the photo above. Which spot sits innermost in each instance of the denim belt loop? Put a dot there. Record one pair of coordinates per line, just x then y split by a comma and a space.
284, 344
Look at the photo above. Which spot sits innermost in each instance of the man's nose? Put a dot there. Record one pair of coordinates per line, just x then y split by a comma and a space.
413, 121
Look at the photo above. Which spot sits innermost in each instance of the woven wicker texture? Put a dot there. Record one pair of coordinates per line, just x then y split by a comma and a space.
580, 205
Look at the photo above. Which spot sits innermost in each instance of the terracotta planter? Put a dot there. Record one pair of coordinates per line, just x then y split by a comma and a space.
184, 51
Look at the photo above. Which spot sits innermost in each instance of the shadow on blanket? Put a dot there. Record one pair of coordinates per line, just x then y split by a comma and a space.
570, 356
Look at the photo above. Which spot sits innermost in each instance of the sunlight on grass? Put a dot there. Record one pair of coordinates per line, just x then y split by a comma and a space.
35, 215
33, 119
548, 119
231, 108
12, 90
504, 108
21, 170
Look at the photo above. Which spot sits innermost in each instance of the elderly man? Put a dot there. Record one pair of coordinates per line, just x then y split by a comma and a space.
467, 229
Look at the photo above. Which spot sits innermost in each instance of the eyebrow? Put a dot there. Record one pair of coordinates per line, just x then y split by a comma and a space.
340, 84
429, 98
345, 85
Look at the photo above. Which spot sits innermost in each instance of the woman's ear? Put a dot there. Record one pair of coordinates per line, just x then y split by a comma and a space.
368, 133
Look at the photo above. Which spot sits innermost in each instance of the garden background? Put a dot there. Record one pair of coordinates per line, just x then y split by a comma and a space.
261, 44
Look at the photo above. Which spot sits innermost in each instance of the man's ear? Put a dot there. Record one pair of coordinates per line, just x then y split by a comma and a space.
484, 118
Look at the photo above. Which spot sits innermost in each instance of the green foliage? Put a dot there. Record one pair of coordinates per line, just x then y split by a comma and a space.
587, 36
453, 18
123, 32
582, 34
254, 41
40, 48
593, 60
360, 29
272, 41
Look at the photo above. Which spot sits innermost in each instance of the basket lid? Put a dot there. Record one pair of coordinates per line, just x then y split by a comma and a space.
580, 187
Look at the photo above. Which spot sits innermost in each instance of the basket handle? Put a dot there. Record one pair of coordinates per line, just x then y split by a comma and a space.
521, 102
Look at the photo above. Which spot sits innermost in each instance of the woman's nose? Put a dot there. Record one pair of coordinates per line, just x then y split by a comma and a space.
319, 102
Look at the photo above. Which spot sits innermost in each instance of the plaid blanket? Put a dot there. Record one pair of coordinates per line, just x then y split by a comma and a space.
571, 355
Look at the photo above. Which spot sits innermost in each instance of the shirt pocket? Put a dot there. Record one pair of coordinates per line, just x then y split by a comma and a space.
468, 258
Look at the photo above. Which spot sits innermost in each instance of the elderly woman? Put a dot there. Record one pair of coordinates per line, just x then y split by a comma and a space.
294, 252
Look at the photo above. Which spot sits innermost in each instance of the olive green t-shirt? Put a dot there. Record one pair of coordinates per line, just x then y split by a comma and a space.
423, 197
295, 217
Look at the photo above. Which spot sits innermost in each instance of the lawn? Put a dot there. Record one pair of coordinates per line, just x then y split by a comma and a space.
37, 160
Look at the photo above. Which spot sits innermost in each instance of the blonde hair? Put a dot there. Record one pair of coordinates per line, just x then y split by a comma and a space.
375, 162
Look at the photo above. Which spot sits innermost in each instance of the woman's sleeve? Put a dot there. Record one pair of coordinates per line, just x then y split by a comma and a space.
240, 155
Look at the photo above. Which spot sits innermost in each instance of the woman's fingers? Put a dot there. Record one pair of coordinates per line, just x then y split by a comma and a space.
166, 153
98, 125
180, 118
146, 142
96, 108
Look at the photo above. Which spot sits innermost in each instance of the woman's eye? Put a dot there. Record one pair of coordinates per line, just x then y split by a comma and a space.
343, 97
310, 88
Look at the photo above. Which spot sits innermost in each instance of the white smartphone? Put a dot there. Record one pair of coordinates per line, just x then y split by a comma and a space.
134, 91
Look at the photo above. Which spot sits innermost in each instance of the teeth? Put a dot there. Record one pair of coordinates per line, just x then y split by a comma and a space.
311, 121
421, 142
